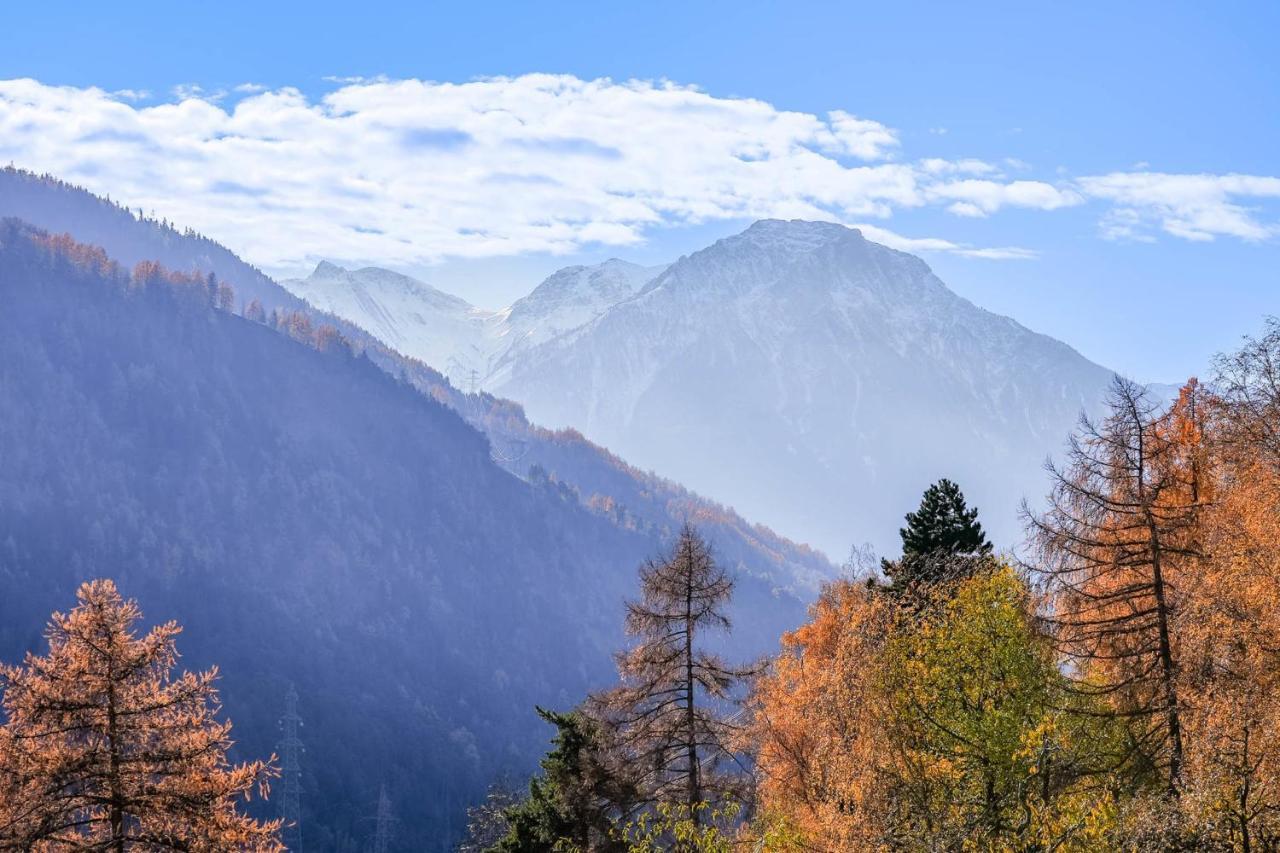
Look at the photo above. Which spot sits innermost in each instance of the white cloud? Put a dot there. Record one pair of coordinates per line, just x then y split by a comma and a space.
191, 91
863, 138
406, 172
926, 245
974, 197
967, 166
1193, 207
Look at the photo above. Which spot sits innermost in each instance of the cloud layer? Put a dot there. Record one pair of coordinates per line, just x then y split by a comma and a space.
409, 171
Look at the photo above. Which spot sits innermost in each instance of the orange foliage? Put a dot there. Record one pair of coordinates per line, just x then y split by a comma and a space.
103, 749
818, 723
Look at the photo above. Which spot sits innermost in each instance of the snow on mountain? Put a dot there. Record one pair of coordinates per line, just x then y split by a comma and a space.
567, 300
817, 381
811, 378
413, 318
466, 343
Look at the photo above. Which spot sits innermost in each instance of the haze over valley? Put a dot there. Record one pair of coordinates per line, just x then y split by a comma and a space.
639, 428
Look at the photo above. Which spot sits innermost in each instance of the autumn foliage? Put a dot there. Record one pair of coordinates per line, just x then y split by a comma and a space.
1119, 690
103, 748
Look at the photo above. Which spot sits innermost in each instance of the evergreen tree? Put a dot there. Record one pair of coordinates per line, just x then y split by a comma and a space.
573, 804
102, 749
943, 540
943, 524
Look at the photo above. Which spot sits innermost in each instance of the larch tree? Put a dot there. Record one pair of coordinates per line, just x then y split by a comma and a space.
668, 715
1115, 546
1248, 384
104, 749
1230, 652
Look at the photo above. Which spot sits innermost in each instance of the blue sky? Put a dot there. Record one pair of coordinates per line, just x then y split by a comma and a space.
1148, 275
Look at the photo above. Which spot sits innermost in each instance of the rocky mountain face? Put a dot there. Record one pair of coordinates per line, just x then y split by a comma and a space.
469, 345
407, 315
809, 377
816, 380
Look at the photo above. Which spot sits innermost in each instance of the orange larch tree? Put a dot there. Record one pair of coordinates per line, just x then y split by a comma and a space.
102, 748
1119, 547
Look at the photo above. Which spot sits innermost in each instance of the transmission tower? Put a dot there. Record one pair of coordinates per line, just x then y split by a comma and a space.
290, 747
383, 821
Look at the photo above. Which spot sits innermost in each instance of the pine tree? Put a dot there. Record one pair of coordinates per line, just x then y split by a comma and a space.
103, 749
582, 790
943, 540
667, 714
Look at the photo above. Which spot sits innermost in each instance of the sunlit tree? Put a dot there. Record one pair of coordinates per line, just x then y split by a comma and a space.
103, 748
668, 715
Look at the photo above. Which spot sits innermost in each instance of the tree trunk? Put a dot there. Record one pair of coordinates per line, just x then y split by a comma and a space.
116, 809
695, 786
1172, 717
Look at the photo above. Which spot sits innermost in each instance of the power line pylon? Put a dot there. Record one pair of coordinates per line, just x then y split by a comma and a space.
383, 821
291, 749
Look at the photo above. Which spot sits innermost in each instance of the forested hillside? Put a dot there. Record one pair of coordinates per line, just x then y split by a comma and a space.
590, 474
312, 521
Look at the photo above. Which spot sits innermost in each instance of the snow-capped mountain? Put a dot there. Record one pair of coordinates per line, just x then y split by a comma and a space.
412, 317
811, 378
466, 343
566, 300
816, 381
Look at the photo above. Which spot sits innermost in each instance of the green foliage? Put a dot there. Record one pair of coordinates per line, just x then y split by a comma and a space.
943, 540
572, 804
679, 828
989, 753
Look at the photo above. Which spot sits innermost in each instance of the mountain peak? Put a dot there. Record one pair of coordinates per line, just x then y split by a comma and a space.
802, 230
800, 226
324, 269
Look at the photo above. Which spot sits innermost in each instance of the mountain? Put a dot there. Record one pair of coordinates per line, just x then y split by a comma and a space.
465, 343
567, 299
411, 317
599, 480
312, 520
818, 380
815, 379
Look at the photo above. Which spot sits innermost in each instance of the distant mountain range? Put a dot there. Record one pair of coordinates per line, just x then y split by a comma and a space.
320, 512
806, 375
469, 345
598, 479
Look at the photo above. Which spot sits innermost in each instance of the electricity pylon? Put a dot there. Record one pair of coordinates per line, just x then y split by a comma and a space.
291, 749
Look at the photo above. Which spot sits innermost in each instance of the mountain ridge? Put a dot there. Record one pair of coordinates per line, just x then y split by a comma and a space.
816, 313
814, 339
598, 479
311, 519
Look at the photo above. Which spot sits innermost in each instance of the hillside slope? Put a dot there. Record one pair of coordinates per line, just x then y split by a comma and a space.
613, 489
311, 520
